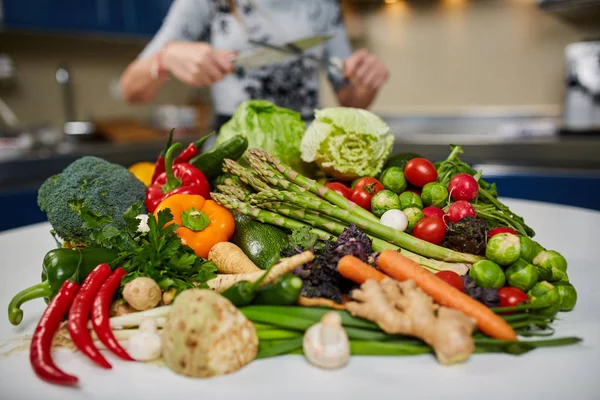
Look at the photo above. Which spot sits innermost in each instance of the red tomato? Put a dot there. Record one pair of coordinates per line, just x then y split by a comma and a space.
364, 189
501, 229
511, 297
371, 185
420, 171
452, 278
340, 188
430, 229
434, 212
362, 198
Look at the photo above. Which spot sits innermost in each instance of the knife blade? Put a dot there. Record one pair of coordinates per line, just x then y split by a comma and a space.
267, 54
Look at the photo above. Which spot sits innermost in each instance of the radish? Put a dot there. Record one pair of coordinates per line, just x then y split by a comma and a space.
434, 212
463, 187
460, 209
500, 229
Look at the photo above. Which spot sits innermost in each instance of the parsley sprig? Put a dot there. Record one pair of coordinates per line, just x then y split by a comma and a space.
158, 254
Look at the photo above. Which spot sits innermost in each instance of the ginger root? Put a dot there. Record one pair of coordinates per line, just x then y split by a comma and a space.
403, 308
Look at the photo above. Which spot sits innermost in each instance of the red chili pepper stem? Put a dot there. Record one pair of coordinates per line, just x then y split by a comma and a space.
172, 181
40, 355
100, 314
80, 312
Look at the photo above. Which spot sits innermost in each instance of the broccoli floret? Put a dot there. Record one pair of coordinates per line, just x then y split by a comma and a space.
103, 187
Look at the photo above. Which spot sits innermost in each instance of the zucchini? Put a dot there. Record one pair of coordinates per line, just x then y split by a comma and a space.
211, 162
284, 292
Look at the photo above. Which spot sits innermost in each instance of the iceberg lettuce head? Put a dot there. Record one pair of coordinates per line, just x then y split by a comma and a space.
347, 143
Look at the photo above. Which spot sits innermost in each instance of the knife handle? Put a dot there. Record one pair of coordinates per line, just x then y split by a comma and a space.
335, 72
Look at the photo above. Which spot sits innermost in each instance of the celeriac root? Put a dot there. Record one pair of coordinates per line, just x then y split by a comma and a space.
283, 266
230, 259
402, 308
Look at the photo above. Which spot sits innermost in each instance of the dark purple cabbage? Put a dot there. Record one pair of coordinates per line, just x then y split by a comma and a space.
487, 296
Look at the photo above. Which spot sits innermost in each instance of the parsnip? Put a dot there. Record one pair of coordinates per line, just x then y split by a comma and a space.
283, 266
230, 259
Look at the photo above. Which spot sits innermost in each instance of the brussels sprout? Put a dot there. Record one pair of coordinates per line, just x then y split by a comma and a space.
383, 201
393, 179
487, 274
567, 295
503, 248
434, 194
529, 248
414, 215
410, 199
545, 295
551, 259
522, 275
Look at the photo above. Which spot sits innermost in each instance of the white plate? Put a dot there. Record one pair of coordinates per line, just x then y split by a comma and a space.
553, 373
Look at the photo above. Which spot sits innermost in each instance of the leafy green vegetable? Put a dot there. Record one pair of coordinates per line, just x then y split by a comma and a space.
274, 129
347, 143
158, 254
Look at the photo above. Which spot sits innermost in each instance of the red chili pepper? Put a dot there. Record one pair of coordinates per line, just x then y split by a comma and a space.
192, 149
80, 312
100, 317
160, 161
40, 355
181, 178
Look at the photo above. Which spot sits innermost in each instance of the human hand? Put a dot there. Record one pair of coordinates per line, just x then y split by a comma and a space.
197, 63
363, 69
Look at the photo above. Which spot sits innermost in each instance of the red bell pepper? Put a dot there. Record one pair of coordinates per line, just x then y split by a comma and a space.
179, 178
192, 149
160, 161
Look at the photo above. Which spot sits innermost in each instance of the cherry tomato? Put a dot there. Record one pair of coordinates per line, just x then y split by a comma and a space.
434, 212
452, 278
369, 184
501, 229
420, 171
430, 229
511, 297
362, 198
340, 188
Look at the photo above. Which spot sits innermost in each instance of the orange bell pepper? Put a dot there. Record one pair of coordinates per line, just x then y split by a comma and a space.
202, 223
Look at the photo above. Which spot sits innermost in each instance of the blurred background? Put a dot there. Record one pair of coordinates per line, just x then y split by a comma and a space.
515, 82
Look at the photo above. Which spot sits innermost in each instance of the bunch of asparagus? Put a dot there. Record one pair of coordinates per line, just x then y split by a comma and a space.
271, 192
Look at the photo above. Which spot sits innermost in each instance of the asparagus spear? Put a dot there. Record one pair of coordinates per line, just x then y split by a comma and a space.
310, 184
245, 175
391, 235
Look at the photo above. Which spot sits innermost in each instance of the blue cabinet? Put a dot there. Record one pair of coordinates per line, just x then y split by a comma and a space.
121, 17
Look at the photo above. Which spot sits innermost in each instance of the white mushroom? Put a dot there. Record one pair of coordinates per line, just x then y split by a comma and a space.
145, 344
326, 344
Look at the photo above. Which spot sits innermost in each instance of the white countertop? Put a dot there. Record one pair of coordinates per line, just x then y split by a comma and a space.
553, 373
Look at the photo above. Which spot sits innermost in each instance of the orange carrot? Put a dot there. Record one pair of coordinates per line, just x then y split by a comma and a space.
399, 267
356, 270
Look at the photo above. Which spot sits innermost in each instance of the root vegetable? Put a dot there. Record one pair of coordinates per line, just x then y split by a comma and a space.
401, 268
283, 266
230, 259
142, 293
145, 344
119, 307
326, 344
168, 296
319, 302
206, 335
403, 308
357, 271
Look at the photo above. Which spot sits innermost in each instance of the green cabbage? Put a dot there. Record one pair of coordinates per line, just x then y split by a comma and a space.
274, 129
347, 143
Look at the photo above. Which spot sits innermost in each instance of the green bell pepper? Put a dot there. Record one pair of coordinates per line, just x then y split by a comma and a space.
60, 265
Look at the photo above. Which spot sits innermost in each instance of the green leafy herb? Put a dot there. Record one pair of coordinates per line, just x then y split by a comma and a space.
158, 254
